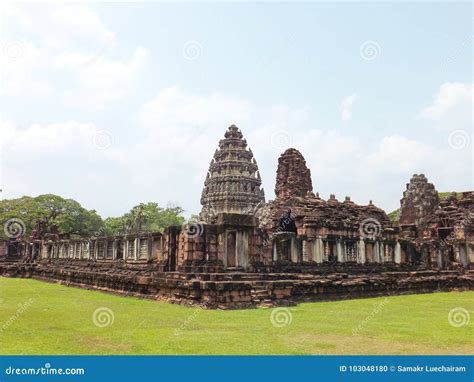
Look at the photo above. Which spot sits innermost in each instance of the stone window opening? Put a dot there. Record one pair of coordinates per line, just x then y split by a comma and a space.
351, 251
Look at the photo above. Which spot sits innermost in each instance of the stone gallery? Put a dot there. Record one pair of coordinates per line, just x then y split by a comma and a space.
246, 252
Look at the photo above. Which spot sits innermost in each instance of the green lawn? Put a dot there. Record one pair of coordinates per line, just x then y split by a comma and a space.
41, 318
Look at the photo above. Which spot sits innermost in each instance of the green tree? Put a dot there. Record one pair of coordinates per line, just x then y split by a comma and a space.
194, 219
145, 217
65, 215
393, 216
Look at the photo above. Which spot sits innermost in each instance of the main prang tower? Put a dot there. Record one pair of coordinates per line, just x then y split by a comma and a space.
233, 183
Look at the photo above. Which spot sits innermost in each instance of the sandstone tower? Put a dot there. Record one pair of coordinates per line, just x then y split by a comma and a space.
293, 178
233, 181
419, 200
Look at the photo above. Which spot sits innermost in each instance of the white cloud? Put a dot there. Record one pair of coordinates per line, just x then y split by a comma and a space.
173, 109
59, 158
164, 158
55, 25
98, 82
450, 97
65, 51
346, 107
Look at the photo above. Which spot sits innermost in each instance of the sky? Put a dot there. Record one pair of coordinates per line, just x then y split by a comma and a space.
113, 104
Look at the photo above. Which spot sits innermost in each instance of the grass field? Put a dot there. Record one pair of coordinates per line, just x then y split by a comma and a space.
42, 318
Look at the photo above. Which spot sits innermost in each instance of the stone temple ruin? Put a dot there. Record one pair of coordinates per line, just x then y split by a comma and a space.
247, 252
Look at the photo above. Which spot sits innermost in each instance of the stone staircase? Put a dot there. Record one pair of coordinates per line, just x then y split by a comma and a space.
260, 294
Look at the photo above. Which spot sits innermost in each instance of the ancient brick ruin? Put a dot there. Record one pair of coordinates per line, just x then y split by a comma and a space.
246, 252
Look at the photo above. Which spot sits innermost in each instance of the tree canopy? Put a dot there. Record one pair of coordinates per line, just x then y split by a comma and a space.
147, 217
68, 217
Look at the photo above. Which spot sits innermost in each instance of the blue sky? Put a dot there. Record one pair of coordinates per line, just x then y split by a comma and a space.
113, 104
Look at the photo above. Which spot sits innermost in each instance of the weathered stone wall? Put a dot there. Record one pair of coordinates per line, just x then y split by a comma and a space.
239, 290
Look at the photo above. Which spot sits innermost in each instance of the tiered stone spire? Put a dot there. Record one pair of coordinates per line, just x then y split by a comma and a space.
419, 200
293, 177
233, 181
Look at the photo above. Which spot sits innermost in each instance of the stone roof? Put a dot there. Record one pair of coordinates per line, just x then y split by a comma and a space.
454, 212
294, 192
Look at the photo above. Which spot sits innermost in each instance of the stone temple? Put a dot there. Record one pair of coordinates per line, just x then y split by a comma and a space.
246, 252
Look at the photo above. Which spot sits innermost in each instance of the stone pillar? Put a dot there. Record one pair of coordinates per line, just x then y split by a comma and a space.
125, 250
318, 250
440, 258
305, 250
397, 253
114, 249
457, 256
361, 251
294, 250
150, 248
274, 250
463, 254
382, 252
376, 252
339, 253
136, 248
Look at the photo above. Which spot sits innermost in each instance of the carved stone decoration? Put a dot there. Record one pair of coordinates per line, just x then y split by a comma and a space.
419, 200
233, 185
293, 177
